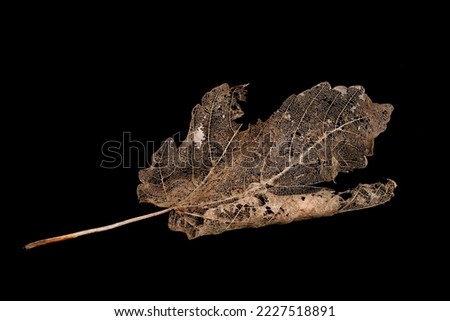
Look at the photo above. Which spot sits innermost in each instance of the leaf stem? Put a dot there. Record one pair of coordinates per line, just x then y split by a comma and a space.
94, 230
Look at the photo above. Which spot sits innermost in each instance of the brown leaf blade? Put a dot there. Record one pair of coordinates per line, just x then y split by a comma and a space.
221, 178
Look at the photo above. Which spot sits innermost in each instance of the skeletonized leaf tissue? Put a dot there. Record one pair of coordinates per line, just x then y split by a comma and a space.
222, 178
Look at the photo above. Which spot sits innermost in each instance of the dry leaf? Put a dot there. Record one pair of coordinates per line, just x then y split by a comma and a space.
223, 178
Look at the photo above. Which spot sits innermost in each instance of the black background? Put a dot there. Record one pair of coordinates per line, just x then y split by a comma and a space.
91, 79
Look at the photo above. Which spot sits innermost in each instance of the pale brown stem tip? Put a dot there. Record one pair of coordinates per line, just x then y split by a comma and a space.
93, 230
50, 240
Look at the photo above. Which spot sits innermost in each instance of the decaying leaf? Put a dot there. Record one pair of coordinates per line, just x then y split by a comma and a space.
223, 178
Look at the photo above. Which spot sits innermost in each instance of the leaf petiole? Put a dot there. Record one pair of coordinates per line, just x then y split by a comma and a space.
93, 230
